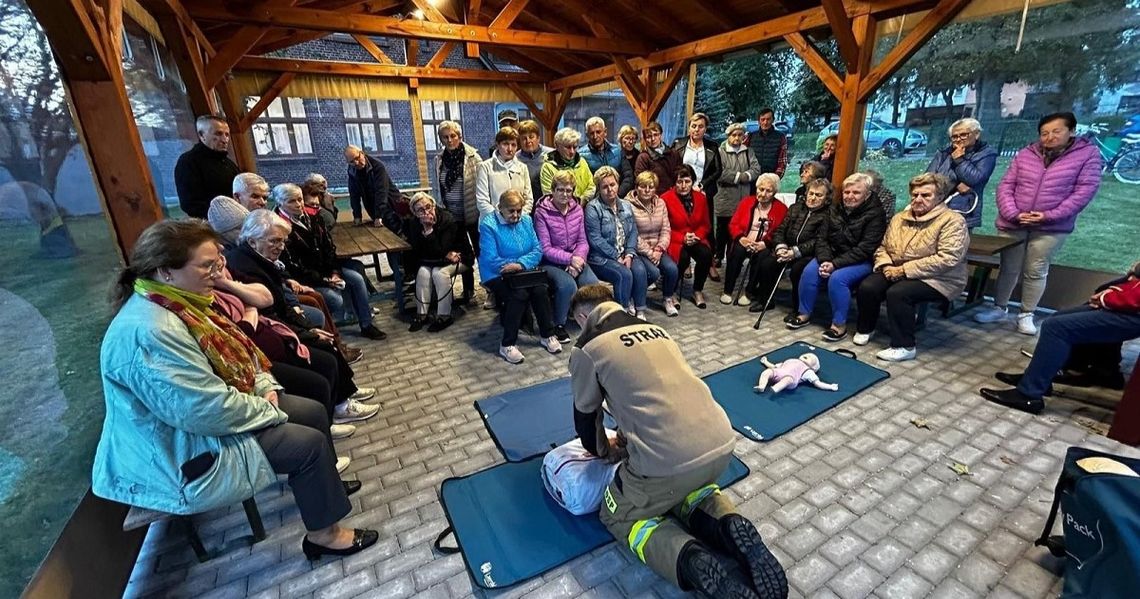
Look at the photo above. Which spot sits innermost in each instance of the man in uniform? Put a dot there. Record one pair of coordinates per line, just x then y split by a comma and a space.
674, 442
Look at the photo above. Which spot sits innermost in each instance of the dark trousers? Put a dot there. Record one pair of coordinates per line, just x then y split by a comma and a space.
736, 257
328, 364
768, 276
1067, 328
304, 382
515, 303
702, 255
1098, 359
303, 449
469, 275
722, 237
902, 296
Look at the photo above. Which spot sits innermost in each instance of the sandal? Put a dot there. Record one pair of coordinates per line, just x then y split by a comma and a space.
833, 335
699, 300
798, 322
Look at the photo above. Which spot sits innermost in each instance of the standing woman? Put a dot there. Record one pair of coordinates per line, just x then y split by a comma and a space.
455, 165
1046, 187
968, 162
653, 236
657, 157
739, 170
794, 243
613, 243
703, 156
565, 157
501, 172
751, 232
439, 251
532, 153
689, 230
627, 141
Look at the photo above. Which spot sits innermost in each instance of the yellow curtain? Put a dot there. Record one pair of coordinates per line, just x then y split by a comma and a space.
473, 91
322, 86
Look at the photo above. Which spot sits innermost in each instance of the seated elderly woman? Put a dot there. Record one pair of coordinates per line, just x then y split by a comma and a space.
194, 419
440, 251
310, 257
922, 259
793, 246
613, 243
318, 200
751, 229
810, 171
508, 257
565, 157
653, 237
502, 171
559, 222
851, 234
690, 230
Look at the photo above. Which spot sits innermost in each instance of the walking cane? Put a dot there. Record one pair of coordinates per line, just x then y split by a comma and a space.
771, 295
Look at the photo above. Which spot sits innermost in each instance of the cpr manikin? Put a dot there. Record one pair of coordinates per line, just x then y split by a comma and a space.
789, 373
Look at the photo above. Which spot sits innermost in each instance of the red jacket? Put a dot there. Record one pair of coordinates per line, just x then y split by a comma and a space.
742, 219
681, 222
1123, 296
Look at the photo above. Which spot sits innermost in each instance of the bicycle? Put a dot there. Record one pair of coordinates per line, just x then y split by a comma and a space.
1123, 160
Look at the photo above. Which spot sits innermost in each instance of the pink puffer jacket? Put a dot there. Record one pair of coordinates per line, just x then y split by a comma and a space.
1060, 191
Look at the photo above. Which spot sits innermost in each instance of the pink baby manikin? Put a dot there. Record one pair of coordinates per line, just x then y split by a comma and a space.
789, 373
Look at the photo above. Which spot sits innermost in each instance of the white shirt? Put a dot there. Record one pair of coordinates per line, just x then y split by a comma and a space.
695, 157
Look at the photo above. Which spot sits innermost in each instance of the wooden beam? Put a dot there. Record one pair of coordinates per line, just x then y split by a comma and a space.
691, 90
332, 21
280, 39
841, 29
176, 10
934, 20
440, 55
628, 77
113, 10
528, 101
77, 40
472, 18
678, 70
371, 48
555, 107
228, 55
418, 136
267, 97
188, 58
816, 62
234, 107
509, 13
356, 69
412, 53
544, 68
431, 13
852, 110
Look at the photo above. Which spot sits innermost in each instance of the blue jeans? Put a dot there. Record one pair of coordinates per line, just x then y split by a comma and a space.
629, 283
1064, 329
313, 313
839, 287
564, 287
354, 295
666, 269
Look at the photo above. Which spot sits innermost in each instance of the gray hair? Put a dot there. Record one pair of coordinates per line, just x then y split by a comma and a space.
445, 125
970, 124
316, 178
284, 191
202, 123
260, 223
595, 120
421, 198
567, 137
244, 182
734, 128
859, 178
771, 179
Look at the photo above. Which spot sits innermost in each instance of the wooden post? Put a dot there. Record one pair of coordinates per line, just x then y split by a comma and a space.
691, 91
852, 108
418, 135
94, 83
240, 134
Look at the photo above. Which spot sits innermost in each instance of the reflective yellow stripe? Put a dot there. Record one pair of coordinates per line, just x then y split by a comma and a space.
639, 535
692, 500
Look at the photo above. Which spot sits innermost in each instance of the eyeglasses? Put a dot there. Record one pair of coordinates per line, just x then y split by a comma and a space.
276, 242
424, 210
564, 190
957, 136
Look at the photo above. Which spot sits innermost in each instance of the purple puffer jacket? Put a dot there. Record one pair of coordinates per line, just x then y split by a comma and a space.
561, 237
1060, 191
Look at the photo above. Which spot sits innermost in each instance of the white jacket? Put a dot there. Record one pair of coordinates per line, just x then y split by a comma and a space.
493, 177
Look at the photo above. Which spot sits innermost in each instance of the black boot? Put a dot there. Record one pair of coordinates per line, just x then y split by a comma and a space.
736, 536
699, 570
1012, 398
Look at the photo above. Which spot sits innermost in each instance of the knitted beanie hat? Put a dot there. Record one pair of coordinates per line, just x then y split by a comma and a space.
226, 215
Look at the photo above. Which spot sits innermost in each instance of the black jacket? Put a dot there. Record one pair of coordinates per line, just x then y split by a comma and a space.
374, 189
310, 255
628, 179
200, 175
432, 250
801, 228
247, 266
851, 237
712, 164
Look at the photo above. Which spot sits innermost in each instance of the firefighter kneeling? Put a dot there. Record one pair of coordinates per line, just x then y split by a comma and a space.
674, 443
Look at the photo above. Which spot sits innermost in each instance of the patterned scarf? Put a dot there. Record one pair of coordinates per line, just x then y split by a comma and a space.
451, 168
232, 355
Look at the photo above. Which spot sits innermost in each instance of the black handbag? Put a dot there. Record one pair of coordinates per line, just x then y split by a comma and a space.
525, 279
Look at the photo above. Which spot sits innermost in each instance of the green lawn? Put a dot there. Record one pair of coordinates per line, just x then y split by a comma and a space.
1105, 233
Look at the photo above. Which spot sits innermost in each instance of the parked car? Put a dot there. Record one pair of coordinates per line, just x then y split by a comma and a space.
879, 135
1130, 131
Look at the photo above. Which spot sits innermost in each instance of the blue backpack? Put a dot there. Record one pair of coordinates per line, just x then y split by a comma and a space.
1101, 529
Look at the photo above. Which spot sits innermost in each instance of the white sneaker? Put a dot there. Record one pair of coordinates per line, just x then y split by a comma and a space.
896, 354
342, 463
512, 354
363, 394
651, 286
743, 300
670, 307
994, 314
1025, 324
353, 411
552, 345
861, 338
341, 431
726, 299
375, 310
641, 314
631, 310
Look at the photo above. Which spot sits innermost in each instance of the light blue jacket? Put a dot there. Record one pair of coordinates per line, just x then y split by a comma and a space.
607, 155
501, 243
165, 406
601, 231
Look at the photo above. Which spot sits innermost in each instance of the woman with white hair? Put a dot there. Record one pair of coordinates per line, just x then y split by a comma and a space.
739, 170
455, 166
968, 162
439, 251
565, 157
851, 233
750, 232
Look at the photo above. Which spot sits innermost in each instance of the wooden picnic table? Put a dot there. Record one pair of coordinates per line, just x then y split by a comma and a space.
982, 255
365, 240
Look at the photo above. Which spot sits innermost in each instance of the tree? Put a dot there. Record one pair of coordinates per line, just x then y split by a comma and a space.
752, 82
810, 100
711, 100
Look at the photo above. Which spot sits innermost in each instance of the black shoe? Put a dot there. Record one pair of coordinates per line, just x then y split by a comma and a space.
832, 335
351, 486
362, 539
699, 569
797, 323
791, 317
372, 332
440, 323
744, 543
560, 334
1012, 398
417, 324
1113, 381
462, 300
1012, 380
756, 306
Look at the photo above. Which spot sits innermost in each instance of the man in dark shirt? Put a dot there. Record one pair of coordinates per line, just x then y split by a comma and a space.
371, 188
205, 170
769, 145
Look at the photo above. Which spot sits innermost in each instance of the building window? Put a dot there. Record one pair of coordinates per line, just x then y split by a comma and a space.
434, 113
283, 129
368, 124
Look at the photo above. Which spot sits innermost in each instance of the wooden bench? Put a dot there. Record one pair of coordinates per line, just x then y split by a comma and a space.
139, 517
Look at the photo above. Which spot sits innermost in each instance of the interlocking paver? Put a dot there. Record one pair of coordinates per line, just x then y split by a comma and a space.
858, 502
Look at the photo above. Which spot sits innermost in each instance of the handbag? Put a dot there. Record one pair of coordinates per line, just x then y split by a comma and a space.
576, 478
525, 279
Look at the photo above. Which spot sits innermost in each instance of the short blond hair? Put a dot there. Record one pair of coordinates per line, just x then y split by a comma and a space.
627, 130
647, 178
859, 178
445, 125
567, 137
562, 178
603, 172
421, 198
940, 182
529, 126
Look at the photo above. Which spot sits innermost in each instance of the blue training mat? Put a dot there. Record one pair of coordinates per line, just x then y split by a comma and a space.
527, 422
509, 529
765, 416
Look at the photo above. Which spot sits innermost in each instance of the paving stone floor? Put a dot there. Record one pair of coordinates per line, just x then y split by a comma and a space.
858, 502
